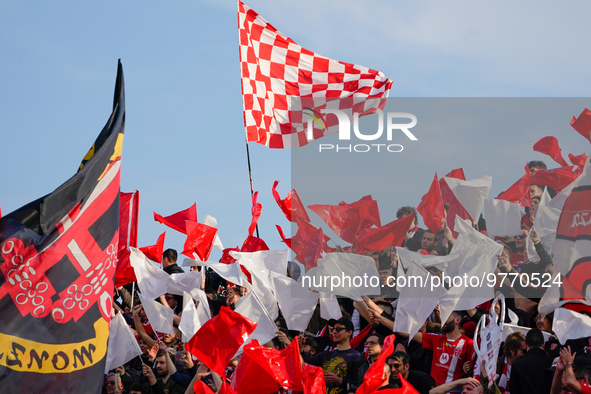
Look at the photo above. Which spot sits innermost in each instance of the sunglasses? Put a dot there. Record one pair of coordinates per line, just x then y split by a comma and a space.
337, 329
371, 343
522, 236
395, 366
110, 383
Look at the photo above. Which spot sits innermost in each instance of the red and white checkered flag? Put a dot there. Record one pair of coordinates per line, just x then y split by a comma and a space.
280, 80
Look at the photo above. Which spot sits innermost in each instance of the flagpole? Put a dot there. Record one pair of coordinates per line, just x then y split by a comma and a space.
250, 179
245, 136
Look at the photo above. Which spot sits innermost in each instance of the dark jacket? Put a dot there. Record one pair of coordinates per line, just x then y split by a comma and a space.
530, 374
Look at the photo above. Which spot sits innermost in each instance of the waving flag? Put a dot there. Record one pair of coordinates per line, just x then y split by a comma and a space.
518, 192
291, 205
128, 216
178, 221
280, 79
154, 252
431, 207
58, 256
347, 220
582, 124
549, 146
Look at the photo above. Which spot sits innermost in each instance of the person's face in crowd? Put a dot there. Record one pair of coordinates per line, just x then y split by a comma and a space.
339, 333
469, 389
373, 346
497, 308
539, 322
308, 350
110, 384
520, 240
161, 368
449, 325
428, 242
171, 301
520, 353
545, 324
535, 190
384, 275
169, 339
398, 367
231, 297
144, 348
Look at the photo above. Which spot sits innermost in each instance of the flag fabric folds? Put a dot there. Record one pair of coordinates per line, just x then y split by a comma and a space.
503, 218
154, 252
291, 206
431, 207
218, 340
178, 221
275, 71
128, 219
200, 240
151, 280
549, 146
122, 344
582, 124
519, 191
58, 256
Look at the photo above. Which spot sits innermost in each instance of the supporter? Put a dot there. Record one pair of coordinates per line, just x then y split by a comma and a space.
342, 365
169, 257
529, 374
450, 350
513, 350
535, 165
399, 361
414, 236
429, 241
162, 383
374, 344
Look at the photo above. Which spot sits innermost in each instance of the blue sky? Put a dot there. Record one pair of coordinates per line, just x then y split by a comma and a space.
185, 135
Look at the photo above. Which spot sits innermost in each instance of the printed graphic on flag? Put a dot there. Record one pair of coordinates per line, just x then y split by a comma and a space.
285, 86
57, 261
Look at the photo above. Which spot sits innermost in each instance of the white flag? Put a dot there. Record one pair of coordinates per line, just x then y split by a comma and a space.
160, 316
329, 307
297, 304
191, 319
568, 324
252, 308
471, 194
122, 345
152, 281
416, 301
503, 218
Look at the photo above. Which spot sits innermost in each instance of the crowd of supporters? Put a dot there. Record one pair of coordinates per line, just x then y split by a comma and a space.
440, 358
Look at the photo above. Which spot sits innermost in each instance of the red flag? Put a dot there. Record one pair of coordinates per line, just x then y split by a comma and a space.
458, 173
226, 389
226, 258
549, 146
373, 378
392, 234
578, 160
291, 205
313, 380
518, 193
582, 124
202, 388
128, 218
275, 70
154, 252
178, 220
311, 249
347, 220
199, 240
256, 213
218, 340
431, 207
253, 244
284, 239
557, 178
262, 366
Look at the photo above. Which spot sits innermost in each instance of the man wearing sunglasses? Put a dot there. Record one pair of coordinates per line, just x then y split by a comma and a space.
342, 365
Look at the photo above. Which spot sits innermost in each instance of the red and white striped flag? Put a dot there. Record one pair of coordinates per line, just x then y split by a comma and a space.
280, 80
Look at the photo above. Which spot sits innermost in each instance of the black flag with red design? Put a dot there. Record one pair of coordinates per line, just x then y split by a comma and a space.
57, 260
